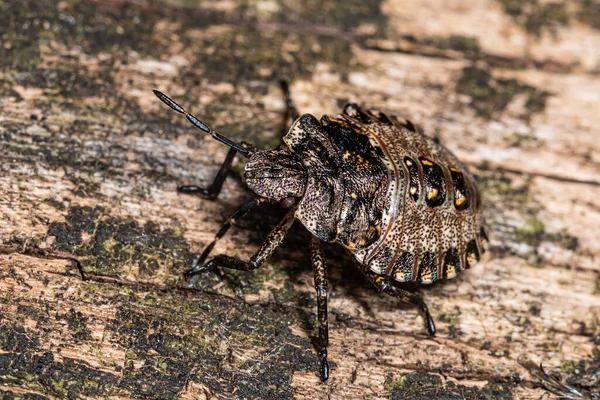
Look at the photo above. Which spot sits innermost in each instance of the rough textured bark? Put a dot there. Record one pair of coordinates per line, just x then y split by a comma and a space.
91, 160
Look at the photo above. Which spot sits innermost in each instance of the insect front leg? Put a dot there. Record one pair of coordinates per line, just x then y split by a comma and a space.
382, 282
243, 147
214, 189
320, 274
274, 239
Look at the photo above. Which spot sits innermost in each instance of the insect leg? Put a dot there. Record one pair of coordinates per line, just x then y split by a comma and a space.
273, 241
240, 213
215, 188
382, 283
320, 273
291, 110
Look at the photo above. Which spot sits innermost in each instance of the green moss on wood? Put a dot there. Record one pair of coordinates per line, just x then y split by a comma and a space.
589, 13
536, 16
422, 386
492, 95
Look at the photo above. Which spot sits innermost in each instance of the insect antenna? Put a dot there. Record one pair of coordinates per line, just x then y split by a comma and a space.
241, 147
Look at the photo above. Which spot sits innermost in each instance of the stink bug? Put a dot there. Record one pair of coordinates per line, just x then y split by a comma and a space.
403, 205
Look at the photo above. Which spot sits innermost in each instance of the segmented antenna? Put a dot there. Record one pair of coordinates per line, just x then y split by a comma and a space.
201, 125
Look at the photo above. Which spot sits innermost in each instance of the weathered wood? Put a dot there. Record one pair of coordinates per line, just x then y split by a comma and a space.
90, 160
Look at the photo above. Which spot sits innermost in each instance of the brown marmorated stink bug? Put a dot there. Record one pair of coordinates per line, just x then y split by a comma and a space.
400, 203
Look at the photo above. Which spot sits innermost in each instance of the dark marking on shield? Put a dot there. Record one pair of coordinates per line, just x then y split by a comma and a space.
372, 234
428, 268
382, 260
403, 267
380, 117
409, 125
452, 265
472, 254
352, 211
376, 214
403, 123
379, 151
330, 122
435, 184
461, 196
354, 111
414, 184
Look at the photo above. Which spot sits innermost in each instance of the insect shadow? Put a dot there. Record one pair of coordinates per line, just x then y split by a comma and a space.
346, 280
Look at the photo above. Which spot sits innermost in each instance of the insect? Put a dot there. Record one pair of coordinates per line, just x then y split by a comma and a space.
403, 205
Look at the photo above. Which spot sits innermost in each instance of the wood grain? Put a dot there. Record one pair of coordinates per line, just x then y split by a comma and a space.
90, 161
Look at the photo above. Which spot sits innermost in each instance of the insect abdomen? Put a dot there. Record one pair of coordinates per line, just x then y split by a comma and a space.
431, 224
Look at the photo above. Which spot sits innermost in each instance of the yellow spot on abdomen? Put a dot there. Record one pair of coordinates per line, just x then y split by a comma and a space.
374, 228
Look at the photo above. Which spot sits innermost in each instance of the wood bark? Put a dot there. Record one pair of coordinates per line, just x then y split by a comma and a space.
90, 162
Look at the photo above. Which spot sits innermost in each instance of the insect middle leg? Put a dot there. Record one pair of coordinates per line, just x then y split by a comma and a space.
274, 239
382, 282
320, 274
240, 213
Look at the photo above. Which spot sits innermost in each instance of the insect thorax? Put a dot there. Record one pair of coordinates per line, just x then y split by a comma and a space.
346, 180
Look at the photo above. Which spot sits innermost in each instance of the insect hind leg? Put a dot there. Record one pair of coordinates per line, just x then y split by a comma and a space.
320, 277
290, 110
382, 282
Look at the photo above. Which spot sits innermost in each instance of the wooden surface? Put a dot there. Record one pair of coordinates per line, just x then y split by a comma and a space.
91, 160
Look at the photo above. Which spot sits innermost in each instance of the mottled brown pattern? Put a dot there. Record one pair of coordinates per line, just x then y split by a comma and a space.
346, 183
388, 193
432, 215
79, 131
